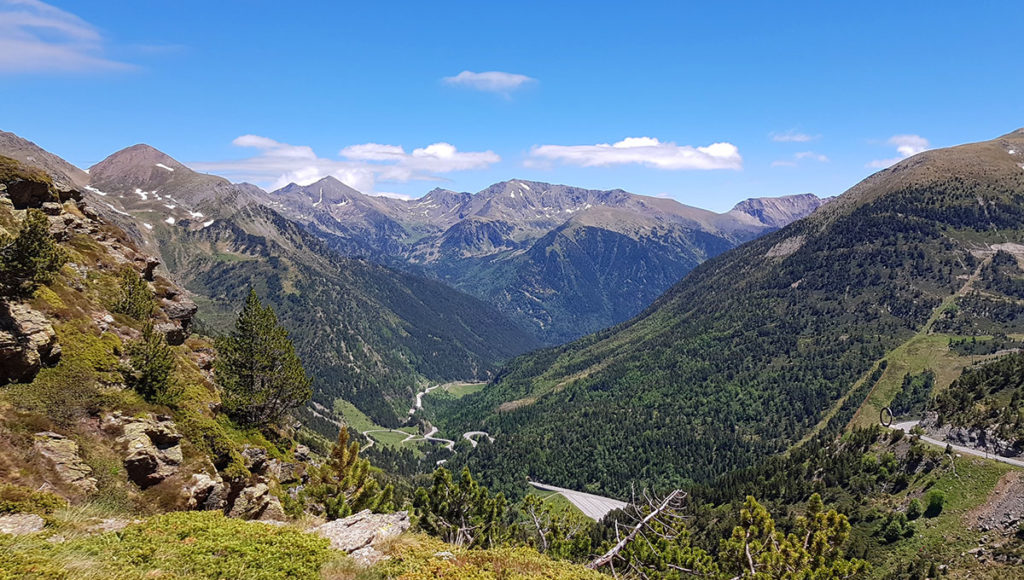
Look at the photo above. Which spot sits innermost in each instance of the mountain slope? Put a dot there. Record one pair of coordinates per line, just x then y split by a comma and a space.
560, 260
366, 333
749, 351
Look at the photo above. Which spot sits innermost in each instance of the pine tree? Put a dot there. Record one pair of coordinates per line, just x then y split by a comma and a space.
257, 369
814, 549
29, 259
346, 485
134, 299
463, 513
152, 363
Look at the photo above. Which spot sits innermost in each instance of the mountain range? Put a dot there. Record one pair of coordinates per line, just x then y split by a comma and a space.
364, 283
809, 328
562, 261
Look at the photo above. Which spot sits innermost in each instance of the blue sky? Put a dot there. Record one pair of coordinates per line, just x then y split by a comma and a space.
709, 102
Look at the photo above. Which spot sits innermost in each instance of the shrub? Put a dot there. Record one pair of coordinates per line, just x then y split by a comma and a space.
936, 501
914, 510
19, 499
174, 546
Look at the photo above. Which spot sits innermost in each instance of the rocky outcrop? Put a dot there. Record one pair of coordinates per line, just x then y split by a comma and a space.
179, 312
207, 493
27, 343
152, 447
62, 453
25, 193
973, 437
255, 502
358, 534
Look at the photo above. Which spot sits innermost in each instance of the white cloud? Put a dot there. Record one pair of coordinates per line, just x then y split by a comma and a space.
793, 136
906, 146
359, 166
490, 81
37, 37
811, 155
646, 151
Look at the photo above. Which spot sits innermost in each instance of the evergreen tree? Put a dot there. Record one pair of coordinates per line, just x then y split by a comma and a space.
463, 513
257, 369
29, 259
346, 485
134, 298
813, 550
152, 362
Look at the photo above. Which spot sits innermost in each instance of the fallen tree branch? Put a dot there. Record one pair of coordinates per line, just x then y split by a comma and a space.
624, 541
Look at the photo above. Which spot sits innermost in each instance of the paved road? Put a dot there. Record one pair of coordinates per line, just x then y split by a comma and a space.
469, 435
908, 425
593, 506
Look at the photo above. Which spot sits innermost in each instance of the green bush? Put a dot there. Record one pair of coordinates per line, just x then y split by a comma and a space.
914, 510
936, 500
20, 499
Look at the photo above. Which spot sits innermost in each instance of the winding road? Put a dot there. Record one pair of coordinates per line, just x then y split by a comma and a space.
429, 436
908, 425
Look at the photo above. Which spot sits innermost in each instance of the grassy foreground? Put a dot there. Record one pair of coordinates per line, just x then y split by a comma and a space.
207, 545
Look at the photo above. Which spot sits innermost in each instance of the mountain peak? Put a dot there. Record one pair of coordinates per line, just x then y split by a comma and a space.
777, 212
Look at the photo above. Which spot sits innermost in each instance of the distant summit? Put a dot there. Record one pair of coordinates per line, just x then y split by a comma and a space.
778, 212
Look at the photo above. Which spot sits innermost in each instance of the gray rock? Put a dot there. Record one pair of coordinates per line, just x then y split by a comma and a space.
255, 502
180, 309
148, 267
255, 458
52, 208
29, 193
173, 332
151, 445
63, 455
21, 524
206, 493
27, 343
283, 471
356, 533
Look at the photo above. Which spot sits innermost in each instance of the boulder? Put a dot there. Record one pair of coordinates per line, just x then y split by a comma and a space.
52, 208
172, 331
283, 471
359, 534
255, 458
21, 524
62, 453
152, 447
182, 309
27, 343
206, 493
148, 267
255, 502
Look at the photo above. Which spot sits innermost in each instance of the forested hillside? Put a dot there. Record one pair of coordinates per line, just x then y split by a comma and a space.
747, 354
